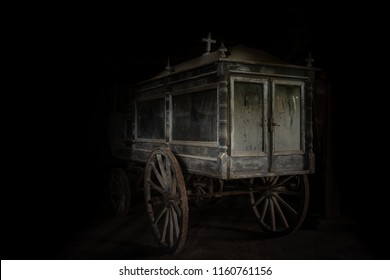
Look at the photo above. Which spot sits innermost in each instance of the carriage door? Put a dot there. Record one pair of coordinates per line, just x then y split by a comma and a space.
249, 134
286, 126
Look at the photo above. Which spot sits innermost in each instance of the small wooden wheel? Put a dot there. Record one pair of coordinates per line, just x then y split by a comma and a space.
119, 192
166, 199
280, 203
199, 185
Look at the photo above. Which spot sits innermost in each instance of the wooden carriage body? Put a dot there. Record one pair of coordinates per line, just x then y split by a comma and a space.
231, 114
237, 115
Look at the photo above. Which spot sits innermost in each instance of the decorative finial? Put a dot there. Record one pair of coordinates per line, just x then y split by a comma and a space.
222, 50
309, 60
168, 67
209, 41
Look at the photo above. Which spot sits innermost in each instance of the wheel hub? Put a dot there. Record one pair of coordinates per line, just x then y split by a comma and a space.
168, 199
268, 193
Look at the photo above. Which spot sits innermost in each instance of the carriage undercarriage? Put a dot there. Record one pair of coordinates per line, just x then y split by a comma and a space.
279, 203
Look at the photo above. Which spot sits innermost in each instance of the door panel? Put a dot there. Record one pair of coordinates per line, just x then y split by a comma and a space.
267, 126
287, 118
249, 113
286, 126
248, 117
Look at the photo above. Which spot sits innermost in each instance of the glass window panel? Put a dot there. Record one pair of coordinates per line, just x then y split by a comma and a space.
248, 117
151, 119
194, 116
287, 117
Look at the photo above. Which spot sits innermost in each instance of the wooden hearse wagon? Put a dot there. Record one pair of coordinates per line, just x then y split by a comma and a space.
234, 115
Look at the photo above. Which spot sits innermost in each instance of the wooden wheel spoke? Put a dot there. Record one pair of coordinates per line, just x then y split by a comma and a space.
174, 186
201, 190
158, 176
285, 180
176, 223
274, 180
170, 228
265, 208
272, 213
252, 196
114, 204
117, 184
160, 215
156, 187
177, 208
285, 204
279, 210
169, 172
113, 200
162, 169
116, 180
122, 203
164, 231
258, 201
285, 190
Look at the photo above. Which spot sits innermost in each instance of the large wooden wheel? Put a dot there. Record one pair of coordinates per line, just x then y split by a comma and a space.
119, 192
166, 199
280, 203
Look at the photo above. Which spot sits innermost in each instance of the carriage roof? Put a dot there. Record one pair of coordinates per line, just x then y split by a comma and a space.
238, 53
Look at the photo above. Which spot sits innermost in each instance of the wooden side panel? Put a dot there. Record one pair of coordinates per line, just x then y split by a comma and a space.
241, 165
288, 163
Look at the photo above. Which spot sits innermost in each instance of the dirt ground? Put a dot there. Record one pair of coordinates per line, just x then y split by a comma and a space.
223, 229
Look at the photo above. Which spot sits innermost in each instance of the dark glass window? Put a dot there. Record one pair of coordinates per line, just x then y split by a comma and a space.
287, 116
194, 116
151, 119
248, 130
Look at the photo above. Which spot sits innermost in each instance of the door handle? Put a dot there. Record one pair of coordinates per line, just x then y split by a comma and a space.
272, 124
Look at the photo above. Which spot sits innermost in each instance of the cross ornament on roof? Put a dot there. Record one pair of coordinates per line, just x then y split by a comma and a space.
209, 41
309, 60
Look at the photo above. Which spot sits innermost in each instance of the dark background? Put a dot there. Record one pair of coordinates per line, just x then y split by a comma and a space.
70, 64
